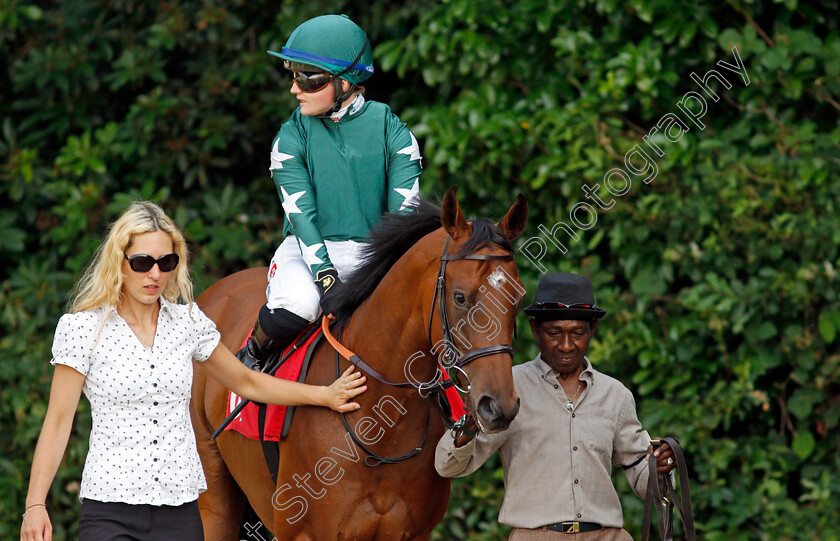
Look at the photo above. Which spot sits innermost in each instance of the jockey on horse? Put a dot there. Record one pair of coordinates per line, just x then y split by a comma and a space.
338, 163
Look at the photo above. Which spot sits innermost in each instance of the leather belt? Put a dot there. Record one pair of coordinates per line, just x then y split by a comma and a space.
573, 527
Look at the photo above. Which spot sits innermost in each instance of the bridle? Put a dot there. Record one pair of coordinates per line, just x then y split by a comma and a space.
460, 361
435, 390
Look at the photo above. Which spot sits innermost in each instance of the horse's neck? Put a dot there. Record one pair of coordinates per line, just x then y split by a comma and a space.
388, 330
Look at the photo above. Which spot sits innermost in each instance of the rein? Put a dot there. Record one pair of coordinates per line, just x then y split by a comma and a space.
434, 391
377, 459
664, 500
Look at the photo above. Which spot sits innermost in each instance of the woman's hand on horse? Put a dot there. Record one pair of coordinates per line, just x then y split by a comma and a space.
36, 526
348, 386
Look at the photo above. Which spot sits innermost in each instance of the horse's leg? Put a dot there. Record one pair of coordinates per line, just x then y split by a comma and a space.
243, 458
245, 461
222, 506
233, 464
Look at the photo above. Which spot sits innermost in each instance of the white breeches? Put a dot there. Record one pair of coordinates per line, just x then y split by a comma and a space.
290, 282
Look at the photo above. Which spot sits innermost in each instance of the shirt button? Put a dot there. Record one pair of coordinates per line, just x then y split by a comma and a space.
152, 366
573, 448
579, 515
156, 478
154, 441
573, 415
576, 481
555, 386
154, 384
543, 376
154, 460
155, 422
154, 404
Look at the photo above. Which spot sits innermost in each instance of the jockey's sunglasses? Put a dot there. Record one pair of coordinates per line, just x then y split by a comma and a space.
144, 263
311, 81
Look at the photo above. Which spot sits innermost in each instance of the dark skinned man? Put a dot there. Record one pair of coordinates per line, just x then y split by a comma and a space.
574, 425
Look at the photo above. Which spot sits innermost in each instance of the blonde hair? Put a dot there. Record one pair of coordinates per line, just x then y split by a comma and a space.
101, 285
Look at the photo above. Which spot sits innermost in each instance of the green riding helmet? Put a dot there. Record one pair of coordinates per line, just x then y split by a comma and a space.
332, 43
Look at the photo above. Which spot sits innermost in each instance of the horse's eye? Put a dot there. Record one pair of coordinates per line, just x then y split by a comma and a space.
460, 298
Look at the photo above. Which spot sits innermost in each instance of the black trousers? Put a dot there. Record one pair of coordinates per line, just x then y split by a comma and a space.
115, 521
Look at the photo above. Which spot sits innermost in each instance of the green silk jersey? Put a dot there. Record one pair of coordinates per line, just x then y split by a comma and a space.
336, 178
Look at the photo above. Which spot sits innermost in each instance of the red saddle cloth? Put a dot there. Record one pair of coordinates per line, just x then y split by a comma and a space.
247, 422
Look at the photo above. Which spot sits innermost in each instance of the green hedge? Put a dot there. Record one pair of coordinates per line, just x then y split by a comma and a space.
720, 274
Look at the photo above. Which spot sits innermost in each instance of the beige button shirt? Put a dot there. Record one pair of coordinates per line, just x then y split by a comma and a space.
557, 462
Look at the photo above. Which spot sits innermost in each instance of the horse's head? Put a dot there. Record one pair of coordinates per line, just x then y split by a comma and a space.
477, 308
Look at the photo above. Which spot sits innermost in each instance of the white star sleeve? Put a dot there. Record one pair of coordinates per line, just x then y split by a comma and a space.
404, 166
294, 185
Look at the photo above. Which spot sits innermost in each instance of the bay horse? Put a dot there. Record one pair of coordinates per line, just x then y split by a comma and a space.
398, 316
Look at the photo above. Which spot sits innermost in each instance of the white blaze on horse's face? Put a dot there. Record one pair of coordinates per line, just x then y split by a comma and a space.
497, 279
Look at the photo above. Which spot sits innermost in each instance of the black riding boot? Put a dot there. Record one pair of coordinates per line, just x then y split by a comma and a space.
274, 329
258, 349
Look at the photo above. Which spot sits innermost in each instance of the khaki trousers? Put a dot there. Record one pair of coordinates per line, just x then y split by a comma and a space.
541, 534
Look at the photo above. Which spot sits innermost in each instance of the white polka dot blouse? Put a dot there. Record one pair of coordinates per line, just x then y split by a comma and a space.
142, 446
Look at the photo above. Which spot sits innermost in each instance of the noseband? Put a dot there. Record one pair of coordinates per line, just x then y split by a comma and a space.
460, 361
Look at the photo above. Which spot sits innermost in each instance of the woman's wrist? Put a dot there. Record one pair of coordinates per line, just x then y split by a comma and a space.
34, 501
33, 506
324, 396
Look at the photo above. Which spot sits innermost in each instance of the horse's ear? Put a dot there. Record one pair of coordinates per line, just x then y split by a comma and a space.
452, 218
513, 224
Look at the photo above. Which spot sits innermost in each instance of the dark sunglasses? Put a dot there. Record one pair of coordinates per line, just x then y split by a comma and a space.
144, 263
311, 81
562, 305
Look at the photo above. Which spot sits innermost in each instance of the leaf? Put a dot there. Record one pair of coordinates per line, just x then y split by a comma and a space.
803, 444
828, 324
801, 403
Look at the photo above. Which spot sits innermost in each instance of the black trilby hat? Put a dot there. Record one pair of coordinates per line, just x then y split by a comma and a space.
565, 296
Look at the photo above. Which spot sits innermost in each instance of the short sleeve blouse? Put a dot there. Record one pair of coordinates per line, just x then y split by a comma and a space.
142, 446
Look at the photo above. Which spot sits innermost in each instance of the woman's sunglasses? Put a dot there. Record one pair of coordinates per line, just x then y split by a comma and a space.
144, 263
311, 81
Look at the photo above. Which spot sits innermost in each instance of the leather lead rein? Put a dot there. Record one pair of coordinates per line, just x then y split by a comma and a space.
665, 503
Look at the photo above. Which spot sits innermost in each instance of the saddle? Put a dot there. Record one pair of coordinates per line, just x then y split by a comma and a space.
661, 494
275, 421
270, 423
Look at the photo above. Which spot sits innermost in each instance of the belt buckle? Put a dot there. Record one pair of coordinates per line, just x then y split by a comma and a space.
570, 527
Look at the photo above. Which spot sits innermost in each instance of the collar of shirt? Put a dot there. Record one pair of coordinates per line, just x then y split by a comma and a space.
354, 107
166, 306
546, 370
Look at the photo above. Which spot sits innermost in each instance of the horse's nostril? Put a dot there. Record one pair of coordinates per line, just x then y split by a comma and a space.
489, 408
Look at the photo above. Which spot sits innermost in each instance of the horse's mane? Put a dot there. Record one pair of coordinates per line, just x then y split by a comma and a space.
395, 234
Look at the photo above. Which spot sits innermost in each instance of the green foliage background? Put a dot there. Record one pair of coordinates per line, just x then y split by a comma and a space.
720, 275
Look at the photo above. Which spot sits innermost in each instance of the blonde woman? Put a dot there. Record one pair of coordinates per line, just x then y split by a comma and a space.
129, 346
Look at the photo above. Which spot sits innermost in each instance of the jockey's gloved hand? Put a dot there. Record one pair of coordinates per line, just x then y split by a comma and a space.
328, 284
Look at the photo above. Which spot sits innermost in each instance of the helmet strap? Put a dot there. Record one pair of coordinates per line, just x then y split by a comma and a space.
340, 97
340, 94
